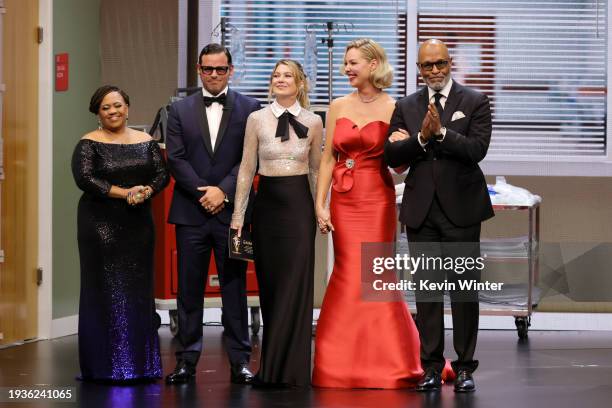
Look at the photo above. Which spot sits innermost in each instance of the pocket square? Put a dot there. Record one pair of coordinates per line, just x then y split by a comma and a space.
457, 115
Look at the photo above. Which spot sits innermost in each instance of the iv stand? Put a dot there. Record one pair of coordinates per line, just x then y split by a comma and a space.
330, 26
221, 30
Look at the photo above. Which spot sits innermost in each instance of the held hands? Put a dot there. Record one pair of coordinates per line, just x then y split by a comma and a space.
431, 123
323, 220
399, 134
213, 199
138, 194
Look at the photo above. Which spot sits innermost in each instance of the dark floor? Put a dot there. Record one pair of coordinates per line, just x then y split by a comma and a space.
553, 369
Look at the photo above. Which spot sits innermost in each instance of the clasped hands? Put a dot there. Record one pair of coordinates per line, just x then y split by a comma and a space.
429, 128
324, 220
431, 124
213, 199
138, 194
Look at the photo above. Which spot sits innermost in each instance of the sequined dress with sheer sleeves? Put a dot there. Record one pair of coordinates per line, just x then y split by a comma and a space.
283, 237
360, 343
118, 338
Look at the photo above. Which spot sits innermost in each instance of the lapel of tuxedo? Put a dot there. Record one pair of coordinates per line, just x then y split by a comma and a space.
454, 97
227, 113
203, 122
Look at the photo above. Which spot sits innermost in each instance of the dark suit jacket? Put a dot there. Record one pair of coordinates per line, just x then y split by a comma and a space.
192, 160
448, 169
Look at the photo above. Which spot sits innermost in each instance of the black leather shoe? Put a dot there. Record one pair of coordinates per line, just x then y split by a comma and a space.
241, 374
182, 374
431, 381
464, 382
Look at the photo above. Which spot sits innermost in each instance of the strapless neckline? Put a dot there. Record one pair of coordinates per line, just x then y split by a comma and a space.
364, 126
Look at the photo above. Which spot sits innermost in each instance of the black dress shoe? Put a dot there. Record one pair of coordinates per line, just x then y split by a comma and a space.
241, 374
431, 381
464, 382
182, 374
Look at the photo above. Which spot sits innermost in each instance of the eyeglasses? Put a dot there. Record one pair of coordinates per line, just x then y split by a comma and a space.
207, 70
428, 66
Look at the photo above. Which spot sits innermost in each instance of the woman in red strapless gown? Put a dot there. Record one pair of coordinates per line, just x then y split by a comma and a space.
359, 343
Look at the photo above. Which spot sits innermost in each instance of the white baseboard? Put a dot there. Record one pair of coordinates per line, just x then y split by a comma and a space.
539, 321
64, 326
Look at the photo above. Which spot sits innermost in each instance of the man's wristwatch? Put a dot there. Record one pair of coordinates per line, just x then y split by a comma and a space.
226, 200
440, 136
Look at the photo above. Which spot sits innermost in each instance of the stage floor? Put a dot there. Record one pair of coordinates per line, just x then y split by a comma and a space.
552, 369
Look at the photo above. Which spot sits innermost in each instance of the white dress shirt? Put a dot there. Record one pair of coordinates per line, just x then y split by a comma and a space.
214, 112
444, 92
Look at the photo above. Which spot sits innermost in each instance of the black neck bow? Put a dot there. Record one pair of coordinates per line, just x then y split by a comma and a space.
282, 130
208, 100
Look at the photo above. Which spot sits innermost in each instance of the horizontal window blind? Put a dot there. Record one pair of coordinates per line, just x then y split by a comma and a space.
542, 63
271, 30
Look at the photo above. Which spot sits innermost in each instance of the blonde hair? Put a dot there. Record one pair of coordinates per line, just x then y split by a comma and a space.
300, 81
382, 76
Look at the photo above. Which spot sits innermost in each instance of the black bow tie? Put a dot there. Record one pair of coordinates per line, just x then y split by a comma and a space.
209, 100
282, 130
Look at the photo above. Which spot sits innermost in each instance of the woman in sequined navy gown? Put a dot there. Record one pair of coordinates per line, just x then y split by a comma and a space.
118, 169
285, 140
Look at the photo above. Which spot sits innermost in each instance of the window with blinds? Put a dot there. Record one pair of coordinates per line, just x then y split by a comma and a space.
543, 64
275, 29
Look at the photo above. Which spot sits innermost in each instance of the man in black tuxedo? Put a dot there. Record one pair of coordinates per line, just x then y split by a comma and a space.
204, 144
442, 132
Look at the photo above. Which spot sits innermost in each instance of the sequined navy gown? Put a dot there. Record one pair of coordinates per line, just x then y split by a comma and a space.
118, 338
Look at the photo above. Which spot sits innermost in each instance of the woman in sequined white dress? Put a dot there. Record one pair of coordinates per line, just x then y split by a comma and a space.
284, 139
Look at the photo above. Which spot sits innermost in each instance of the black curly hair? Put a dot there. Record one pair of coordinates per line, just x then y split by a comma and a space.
101, 92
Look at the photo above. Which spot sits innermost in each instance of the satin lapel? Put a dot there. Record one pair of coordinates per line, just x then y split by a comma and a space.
227, 113
454, 98
203, 121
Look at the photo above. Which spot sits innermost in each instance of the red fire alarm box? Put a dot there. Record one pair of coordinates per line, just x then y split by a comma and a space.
61, 72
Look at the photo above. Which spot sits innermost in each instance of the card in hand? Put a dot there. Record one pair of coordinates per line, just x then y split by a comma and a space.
240, 247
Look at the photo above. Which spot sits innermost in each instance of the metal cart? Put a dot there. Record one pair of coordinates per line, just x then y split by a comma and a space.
521, 299
525, 297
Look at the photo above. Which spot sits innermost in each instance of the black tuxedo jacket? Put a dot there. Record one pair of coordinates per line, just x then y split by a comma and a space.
194, 163
448, 169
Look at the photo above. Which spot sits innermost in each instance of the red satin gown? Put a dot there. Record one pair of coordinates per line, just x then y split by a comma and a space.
362, 344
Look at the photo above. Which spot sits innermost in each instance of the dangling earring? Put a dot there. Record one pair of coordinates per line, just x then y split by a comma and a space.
99, 124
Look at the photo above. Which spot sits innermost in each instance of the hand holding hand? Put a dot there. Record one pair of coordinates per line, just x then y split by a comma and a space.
323, 220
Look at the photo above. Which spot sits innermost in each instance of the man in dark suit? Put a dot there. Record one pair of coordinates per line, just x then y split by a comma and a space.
204, 145
442, 132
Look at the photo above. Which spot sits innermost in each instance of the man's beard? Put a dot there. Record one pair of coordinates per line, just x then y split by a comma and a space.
438, 86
